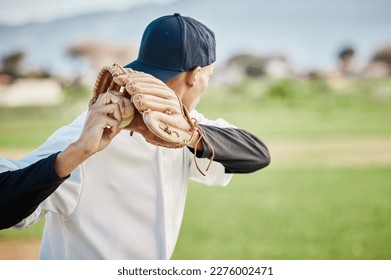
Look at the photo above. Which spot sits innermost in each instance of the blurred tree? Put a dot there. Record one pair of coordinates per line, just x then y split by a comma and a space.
11, 64
39, 74
380, 64
253, 66
383, 55
99, 54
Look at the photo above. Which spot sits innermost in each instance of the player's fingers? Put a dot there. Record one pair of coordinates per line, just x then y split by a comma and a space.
110, 97
111, 122
111, 110
110, 125
125, 97
118, 98
114, 112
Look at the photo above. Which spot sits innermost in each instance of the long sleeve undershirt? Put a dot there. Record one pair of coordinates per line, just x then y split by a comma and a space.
22, 190
238, 150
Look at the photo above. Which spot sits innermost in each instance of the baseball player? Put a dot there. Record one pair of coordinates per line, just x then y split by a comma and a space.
127, 201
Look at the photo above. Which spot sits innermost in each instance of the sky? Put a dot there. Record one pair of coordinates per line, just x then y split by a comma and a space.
15, 12
309, 32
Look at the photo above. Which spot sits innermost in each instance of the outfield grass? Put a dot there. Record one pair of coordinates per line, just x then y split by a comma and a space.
324, 196
311, 213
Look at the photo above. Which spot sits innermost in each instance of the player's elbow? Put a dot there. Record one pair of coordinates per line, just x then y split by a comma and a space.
265, 160
259, 155
262, 159
258, 159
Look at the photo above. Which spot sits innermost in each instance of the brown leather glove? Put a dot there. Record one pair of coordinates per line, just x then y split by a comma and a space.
160, 117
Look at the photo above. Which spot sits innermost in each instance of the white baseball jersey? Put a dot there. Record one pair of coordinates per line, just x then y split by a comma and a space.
125, 202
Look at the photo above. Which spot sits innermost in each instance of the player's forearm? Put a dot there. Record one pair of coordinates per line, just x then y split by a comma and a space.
70, 158
238, 150
22, 190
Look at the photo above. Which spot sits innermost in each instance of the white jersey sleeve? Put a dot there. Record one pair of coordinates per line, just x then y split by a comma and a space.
64, 200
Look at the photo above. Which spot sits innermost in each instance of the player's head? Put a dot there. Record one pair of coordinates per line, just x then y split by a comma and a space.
174, 44
179, 51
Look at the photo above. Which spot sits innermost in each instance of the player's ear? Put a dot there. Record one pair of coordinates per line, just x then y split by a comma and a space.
192, 76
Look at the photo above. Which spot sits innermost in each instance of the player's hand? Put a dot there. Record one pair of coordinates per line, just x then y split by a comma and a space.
103, 122
101, 125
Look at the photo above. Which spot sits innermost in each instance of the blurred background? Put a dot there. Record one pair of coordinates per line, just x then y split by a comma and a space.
309, 78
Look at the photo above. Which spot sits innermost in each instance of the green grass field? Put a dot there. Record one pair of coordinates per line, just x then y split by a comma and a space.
309, 213
324, 196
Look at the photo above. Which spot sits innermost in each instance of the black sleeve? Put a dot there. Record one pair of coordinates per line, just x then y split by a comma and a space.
22, 190
238, 150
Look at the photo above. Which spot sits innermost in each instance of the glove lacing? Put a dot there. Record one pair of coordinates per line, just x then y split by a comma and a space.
195, 127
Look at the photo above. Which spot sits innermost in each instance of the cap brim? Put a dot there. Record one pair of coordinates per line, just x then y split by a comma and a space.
160, 73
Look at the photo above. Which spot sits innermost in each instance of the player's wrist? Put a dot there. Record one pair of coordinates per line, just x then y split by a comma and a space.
83, 148
67, 160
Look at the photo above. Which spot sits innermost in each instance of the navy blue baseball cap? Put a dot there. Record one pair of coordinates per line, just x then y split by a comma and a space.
174, 44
